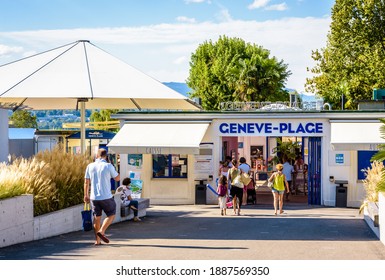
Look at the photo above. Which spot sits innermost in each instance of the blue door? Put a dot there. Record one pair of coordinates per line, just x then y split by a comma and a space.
314, 171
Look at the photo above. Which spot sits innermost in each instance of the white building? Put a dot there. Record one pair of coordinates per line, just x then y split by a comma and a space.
173, 152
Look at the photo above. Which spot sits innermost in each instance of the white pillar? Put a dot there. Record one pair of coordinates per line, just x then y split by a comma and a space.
4, 141
82, 127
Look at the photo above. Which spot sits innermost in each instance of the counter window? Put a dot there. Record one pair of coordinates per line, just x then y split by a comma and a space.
364, 162
169, 166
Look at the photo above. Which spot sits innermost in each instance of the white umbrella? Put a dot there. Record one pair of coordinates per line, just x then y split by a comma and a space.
81, 72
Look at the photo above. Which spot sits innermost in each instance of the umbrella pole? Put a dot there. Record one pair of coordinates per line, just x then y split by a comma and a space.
82, 127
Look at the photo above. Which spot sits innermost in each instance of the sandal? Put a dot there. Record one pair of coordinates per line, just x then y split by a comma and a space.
103, 237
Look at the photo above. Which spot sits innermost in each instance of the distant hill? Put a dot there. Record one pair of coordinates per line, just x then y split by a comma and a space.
184, 89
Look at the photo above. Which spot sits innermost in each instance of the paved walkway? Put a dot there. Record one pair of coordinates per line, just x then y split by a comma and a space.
198, 232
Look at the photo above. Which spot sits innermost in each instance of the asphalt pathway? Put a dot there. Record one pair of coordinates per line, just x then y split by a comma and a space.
199, 232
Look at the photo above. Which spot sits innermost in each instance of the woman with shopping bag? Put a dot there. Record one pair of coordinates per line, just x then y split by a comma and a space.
236, 191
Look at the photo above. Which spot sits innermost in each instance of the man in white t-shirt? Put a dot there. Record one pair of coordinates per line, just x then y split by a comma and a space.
98, 180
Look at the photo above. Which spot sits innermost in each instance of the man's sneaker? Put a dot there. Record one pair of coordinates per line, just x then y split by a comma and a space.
137, 219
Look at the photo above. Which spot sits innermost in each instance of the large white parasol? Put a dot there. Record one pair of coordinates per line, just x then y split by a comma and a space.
81, 74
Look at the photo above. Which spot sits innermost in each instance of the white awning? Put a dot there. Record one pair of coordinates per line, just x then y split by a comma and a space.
355, 135
159, 138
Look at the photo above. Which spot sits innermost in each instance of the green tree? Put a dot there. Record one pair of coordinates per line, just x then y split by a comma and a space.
351, 65
23, 119
102, 116
285, 150
233, 70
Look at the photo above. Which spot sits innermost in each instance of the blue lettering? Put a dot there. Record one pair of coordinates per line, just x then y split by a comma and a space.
282, 127
242, 128
318, 128
290, 129
250, 128
233, 128
300, 129
268, 127
223, 128
309, 127
259, 127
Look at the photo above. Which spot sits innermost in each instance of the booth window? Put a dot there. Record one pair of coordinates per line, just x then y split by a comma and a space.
169, 166
363, 162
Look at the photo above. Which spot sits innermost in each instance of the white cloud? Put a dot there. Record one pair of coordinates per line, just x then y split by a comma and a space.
7, 50
224, 16
258, 4
278, 7
164, 50
185, 19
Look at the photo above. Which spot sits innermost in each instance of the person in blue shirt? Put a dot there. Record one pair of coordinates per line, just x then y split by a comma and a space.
97, 190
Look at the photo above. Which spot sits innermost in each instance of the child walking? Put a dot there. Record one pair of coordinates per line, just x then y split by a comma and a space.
222, 193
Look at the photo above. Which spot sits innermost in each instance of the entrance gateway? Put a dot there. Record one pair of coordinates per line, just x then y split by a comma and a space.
255, 140
178, 150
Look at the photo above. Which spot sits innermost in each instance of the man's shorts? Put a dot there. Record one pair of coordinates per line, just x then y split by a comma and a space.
107, 205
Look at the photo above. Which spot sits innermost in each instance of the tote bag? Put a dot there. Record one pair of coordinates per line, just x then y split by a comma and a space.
87, 217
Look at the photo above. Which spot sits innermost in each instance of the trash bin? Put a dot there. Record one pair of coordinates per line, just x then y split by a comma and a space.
200, 194
341, 196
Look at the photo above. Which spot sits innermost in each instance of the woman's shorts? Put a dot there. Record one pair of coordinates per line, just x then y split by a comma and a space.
277, 191
236, 192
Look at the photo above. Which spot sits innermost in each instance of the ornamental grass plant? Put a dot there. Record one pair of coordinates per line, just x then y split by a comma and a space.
55, 179
372, 182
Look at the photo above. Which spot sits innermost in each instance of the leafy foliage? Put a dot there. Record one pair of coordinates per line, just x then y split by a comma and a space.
352, 64
232, 70
23, 119
103, 116
380, 157
285, 150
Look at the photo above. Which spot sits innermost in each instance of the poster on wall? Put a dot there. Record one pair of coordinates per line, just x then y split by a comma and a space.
339, 159
136, 188
203, 166
134, 175
256, 152
135, 161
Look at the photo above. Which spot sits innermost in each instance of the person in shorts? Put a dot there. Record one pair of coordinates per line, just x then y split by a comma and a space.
280, 184
97, 190
236, 190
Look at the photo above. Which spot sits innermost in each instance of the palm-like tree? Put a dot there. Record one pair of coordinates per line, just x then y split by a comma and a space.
380, 156
259, 78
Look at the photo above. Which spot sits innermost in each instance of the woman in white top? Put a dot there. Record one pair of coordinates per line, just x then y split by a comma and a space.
223, 169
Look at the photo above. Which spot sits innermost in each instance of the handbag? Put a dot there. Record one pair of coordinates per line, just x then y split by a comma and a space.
270, 184
87, 217
237, 181
245, 179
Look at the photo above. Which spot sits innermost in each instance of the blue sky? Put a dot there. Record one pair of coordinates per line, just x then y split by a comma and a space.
158, 36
